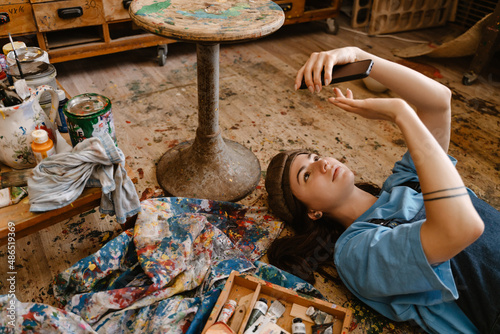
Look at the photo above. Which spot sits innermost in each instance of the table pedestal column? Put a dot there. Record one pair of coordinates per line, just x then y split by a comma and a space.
208, 166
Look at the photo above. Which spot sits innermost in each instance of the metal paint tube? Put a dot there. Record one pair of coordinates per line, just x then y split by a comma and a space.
89, 115
323, 328
259, 309
227, 311
319, 317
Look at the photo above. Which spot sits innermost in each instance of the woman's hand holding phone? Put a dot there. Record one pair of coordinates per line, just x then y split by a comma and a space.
323, 61
346, 72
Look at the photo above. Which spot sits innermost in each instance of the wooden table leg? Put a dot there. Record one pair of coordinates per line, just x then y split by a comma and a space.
209, 166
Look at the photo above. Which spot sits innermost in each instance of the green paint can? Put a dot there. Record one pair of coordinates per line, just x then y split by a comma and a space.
89, 115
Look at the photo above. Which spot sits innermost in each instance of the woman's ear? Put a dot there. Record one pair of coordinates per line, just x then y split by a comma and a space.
315, 215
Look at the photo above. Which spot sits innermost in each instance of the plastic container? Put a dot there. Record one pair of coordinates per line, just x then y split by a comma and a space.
61, 119
42, 146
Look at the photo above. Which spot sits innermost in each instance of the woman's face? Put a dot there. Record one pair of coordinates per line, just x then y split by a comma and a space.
322, 184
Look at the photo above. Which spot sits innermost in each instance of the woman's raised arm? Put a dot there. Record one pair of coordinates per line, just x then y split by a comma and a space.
430, 98
452, 222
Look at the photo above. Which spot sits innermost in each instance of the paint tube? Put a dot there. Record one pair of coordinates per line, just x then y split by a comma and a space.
227, 311
322, 329
261, 322
319, 317
259, 309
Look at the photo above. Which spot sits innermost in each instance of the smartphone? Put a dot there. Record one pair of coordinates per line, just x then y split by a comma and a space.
346, 72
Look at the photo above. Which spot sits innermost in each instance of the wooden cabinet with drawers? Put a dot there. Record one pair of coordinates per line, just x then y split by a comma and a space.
298, 11
17, 18
58, 15
74, 29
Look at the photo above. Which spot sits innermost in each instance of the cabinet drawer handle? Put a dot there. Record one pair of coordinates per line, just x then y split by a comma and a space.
4, 18
126, 3
70, 13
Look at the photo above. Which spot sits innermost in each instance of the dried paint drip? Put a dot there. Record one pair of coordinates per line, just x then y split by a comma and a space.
89, 115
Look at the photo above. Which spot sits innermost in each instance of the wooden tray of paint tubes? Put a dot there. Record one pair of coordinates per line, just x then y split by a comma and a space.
247, 290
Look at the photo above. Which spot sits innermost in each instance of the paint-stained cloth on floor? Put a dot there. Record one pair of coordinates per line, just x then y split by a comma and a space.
166, 274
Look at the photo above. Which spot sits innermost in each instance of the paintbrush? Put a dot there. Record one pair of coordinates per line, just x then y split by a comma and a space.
21, 86
15, 55
16, 178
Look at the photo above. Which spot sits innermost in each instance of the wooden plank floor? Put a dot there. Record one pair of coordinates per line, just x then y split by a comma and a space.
155, 108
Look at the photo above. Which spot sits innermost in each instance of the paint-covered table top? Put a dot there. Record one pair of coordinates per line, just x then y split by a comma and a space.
208, 20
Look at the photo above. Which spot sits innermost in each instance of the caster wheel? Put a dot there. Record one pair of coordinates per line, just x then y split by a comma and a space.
162, 55
332, 26
469, 78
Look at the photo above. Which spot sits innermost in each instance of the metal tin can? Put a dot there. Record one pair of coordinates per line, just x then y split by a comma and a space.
29, 54
89, 115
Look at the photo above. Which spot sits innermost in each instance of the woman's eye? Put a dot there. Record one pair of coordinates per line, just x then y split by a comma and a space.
316, 158
306, 177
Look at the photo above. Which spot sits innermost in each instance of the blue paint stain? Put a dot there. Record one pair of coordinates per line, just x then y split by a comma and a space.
201, 14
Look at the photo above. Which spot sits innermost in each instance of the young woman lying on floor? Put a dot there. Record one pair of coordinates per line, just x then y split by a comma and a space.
424, 248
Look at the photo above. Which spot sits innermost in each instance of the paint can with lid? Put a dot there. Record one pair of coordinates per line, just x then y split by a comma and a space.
89, 115
36, 73
28, 54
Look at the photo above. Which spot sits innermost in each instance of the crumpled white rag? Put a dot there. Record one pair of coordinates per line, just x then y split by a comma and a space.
95, 162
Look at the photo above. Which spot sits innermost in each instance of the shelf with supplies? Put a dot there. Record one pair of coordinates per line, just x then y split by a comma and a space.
246, 290
75, 29
18, 218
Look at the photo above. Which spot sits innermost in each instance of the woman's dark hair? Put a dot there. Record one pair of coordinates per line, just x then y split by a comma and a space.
312, 245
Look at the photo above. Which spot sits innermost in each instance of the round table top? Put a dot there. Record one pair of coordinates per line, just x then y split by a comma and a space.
208, 20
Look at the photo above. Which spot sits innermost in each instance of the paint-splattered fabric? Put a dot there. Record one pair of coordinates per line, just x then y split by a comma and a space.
166, 274
26, 318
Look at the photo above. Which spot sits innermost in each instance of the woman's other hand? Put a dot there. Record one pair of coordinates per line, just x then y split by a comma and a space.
372, 108
325, 60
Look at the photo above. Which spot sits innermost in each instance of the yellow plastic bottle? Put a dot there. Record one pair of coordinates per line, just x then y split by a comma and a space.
42, 146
